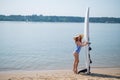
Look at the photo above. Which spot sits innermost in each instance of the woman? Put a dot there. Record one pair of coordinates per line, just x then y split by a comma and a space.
79, 44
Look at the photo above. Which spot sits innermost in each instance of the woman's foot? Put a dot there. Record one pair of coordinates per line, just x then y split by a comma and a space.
75, 71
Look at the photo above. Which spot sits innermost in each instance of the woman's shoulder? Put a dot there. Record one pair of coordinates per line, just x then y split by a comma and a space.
78, 42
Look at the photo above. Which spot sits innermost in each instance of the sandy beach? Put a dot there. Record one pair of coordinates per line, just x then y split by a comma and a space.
97, 74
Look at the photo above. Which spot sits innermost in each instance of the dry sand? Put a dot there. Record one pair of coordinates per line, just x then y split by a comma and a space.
97, 74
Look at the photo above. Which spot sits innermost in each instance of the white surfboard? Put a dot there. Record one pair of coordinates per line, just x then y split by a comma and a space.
87, 38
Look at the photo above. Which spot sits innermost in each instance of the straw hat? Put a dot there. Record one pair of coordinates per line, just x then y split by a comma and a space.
80, 35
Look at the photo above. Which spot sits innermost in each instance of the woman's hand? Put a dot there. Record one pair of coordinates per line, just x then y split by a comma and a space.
85, 43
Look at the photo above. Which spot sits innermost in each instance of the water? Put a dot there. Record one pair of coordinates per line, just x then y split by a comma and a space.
46, 46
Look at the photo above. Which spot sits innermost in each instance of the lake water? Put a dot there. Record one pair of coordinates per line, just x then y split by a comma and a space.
49, 46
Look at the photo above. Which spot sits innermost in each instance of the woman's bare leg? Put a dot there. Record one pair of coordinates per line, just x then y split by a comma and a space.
74, 65
76, 61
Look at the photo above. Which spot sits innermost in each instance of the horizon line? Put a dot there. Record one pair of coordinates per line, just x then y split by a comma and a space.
55, 15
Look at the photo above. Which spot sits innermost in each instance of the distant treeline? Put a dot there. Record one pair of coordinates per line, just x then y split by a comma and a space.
41, 18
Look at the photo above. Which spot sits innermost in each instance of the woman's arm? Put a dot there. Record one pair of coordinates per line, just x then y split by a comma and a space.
81, 43
84, 43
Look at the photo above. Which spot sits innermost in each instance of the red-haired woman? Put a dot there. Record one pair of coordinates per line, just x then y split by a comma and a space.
79, 44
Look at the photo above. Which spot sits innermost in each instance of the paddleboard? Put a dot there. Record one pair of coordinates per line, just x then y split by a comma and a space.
87, 47
87, 39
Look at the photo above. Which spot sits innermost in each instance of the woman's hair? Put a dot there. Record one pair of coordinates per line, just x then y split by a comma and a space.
76, 38
79, 37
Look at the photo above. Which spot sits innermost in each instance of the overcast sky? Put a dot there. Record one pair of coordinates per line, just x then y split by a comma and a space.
98, 8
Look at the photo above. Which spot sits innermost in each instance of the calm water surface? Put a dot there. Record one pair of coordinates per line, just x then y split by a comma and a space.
44, 46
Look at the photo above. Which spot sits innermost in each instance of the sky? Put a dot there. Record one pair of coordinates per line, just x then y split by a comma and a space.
98, 8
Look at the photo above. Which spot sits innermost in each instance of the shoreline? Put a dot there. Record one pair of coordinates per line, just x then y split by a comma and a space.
25, 70
96, 74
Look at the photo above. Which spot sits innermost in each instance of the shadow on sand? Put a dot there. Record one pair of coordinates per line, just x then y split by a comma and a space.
102, 75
